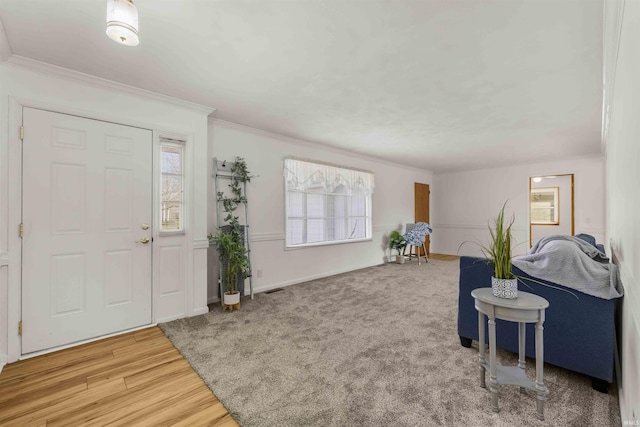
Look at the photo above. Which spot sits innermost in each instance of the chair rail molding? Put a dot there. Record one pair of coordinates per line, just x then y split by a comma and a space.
200, 244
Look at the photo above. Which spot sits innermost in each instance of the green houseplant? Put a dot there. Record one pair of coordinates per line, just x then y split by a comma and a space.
504, 283
230, 246
397, 242
229, 239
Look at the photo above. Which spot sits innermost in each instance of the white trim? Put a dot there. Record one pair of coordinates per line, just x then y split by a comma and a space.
312, 144
474, 227
276, 236
5, 48
266, 237
43, 67
14, 217
610, 61
200, 310
200, 244
327, 243
385, 228
313, 277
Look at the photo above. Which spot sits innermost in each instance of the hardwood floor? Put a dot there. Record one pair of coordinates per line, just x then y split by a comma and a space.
443, 257
137, 378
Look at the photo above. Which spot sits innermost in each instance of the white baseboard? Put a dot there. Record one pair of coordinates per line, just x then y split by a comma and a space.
309, 278
200, 310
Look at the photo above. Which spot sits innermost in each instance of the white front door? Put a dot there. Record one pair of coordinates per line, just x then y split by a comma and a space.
87, 209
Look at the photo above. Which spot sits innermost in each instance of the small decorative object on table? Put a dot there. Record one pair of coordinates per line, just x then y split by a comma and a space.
503, 283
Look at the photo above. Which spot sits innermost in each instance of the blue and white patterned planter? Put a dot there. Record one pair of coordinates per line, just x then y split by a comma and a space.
504, 288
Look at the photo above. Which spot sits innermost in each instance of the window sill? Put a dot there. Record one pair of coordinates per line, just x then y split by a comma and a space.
337, 242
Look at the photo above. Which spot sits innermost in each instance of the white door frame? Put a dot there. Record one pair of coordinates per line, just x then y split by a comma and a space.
14, 210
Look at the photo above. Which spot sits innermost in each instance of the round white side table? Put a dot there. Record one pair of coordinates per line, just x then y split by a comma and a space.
527, 308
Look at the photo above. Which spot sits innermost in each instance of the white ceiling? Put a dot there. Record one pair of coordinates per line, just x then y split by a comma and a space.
435, 84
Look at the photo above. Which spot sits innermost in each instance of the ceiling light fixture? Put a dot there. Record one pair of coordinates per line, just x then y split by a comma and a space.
537, 179
122, 22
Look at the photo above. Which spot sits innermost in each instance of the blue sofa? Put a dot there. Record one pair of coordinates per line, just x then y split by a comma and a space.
579, 334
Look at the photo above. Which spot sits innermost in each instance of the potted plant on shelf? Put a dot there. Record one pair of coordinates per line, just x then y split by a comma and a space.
397, 242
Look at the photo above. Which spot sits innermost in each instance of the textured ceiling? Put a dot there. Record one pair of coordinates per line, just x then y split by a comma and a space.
435, 84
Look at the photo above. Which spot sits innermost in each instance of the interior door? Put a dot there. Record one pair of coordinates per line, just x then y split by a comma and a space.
421, 196
87, 210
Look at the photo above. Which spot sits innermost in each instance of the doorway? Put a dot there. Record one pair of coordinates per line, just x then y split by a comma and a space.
421, 203
86, 229
551, 206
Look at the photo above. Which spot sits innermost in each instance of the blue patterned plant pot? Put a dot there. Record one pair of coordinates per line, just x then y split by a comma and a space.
504, 288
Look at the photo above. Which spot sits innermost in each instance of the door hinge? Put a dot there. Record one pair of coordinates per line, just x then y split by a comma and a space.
21, 230
22, 133
20, 328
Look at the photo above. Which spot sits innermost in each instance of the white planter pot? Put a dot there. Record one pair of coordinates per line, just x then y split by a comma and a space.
400, 259
504, 288
232, 299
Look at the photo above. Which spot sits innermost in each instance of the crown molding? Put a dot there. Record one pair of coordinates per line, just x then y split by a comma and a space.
5, 47
290, 139
61, 72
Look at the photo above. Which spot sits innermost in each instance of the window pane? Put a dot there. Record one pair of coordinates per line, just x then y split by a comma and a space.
171, 187
357, 228
315, 205
296, 231
358, 206
296, 204
315, 230
171, 215
337, 229
171, 159
336, 206
171, 184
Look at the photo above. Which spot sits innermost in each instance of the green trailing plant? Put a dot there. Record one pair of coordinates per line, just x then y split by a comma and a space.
397, 242
230, 241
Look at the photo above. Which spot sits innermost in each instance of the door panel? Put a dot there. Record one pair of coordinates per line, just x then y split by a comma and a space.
421, 196
86, 191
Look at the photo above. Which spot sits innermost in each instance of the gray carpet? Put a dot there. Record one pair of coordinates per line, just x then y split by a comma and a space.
344, 351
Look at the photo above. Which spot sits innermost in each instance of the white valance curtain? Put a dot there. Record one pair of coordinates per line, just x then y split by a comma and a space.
303, 175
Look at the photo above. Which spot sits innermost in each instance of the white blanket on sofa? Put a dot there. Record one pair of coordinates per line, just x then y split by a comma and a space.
574, 263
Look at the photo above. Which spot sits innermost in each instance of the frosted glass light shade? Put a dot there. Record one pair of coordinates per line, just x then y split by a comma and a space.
122, 22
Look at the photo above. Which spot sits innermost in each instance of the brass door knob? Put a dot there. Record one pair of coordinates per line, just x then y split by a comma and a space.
144, 240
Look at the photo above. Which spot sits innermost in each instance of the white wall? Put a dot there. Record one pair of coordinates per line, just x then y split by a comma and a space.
464, 202
38, 85
623, 181
393, 206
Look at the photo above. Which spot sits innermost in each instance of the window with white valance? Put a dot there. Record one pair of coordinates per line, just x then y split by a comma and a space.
326, 204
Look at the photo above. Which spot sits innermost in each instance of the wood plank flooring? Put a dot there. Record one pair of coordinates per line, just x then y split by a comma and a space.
443, 257
133, 379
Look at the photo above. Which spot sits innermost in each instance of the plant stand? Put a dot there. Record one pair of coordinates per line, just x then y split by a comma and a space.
222, 171
231, 306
